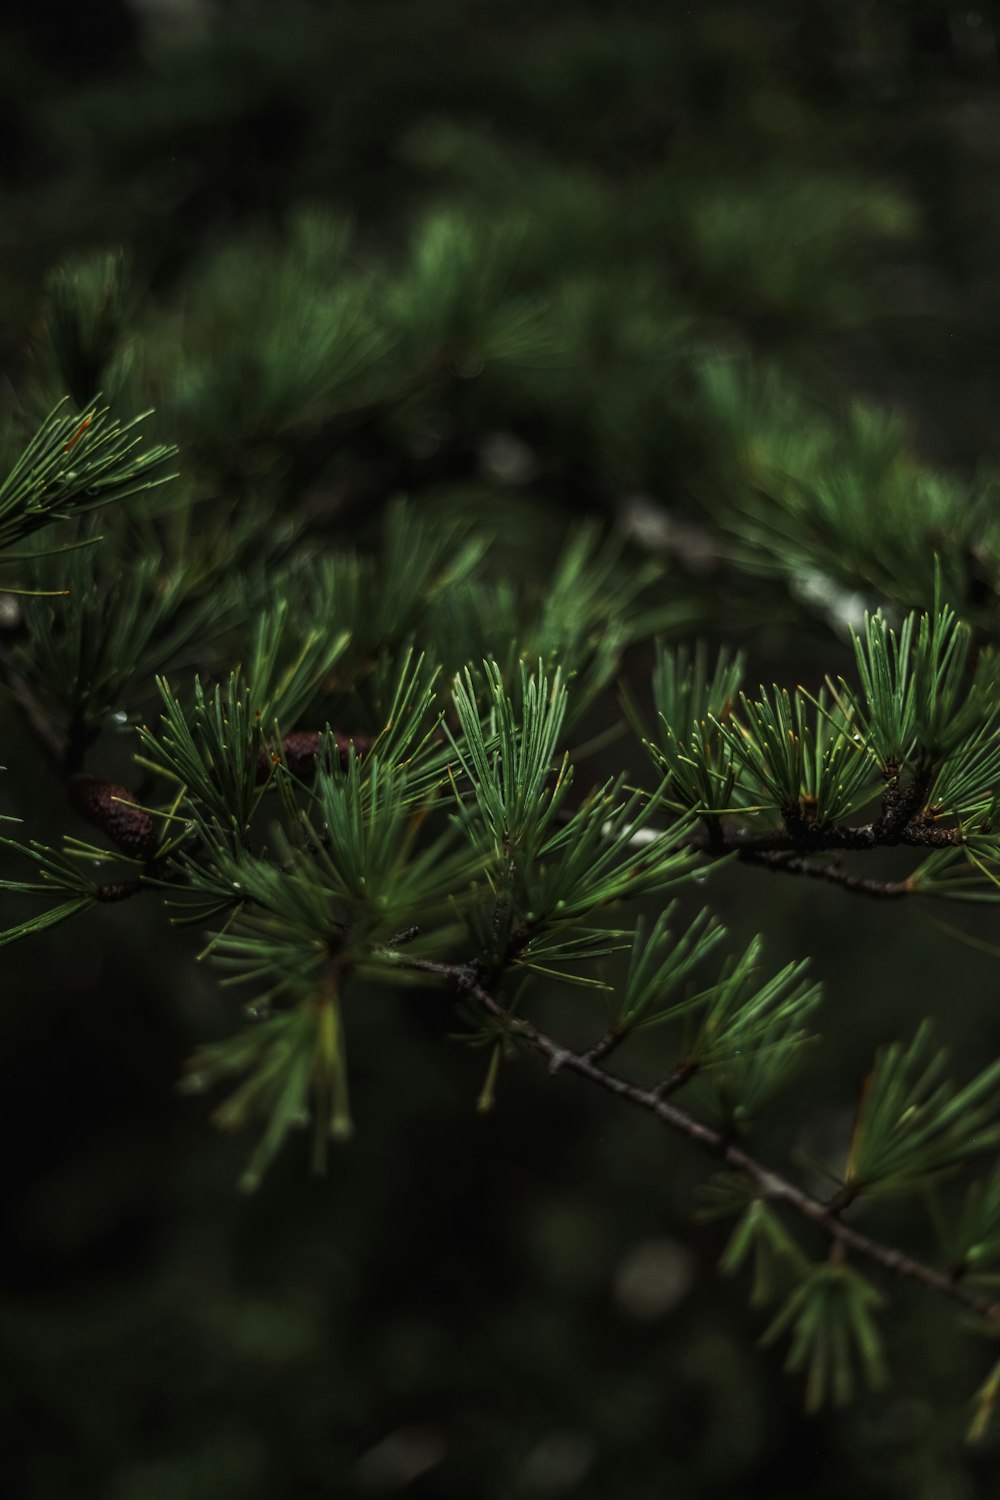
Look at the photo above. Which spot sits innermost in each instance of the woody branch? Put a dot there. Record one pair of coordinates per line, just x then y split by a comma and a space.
773, 1185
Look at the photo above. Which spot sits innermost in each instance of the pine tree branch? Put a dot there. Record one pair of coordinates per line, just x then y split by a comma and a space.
674, 1081
901, 805
612, 1038
807, 838
783, 850
775, 1187
859, 885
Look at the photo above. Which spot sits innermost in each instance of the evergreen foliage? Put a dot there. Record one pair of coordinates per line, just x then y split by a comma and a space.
343, 699
448, 837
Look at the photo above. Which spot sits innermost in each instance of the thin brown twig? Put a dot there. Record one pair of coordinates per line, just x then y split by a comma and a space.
859, 885
612, 1038
771, 1183
674, 1081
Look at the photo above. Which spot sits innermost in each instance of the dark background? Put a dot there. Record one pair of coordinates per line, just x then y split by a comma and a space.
517, 1304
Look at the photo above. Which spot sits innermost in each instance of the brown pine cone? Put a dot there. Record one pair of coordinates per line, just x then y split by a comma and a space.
362, 744
112, 808
299, 751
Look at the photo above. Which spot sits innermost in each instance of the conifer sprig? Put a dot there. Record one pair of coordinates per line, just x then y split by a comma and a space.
971, 1238
508, 766
58, 876
830, 1316
96, 652
918, 700
596, 859
212, 753
912, 1124
690, 749
76, 462
758, 1237
817, 769
748, 1034
660, 963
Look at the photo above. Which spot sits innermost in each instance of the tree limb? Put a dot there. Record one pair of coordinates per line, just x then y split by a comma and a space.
859, 885
772, 1184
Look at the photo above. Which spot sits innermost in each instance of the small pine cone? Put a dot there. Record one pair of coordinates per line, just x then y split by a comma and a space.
362, 744
112, 808
299, 752
302, 748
